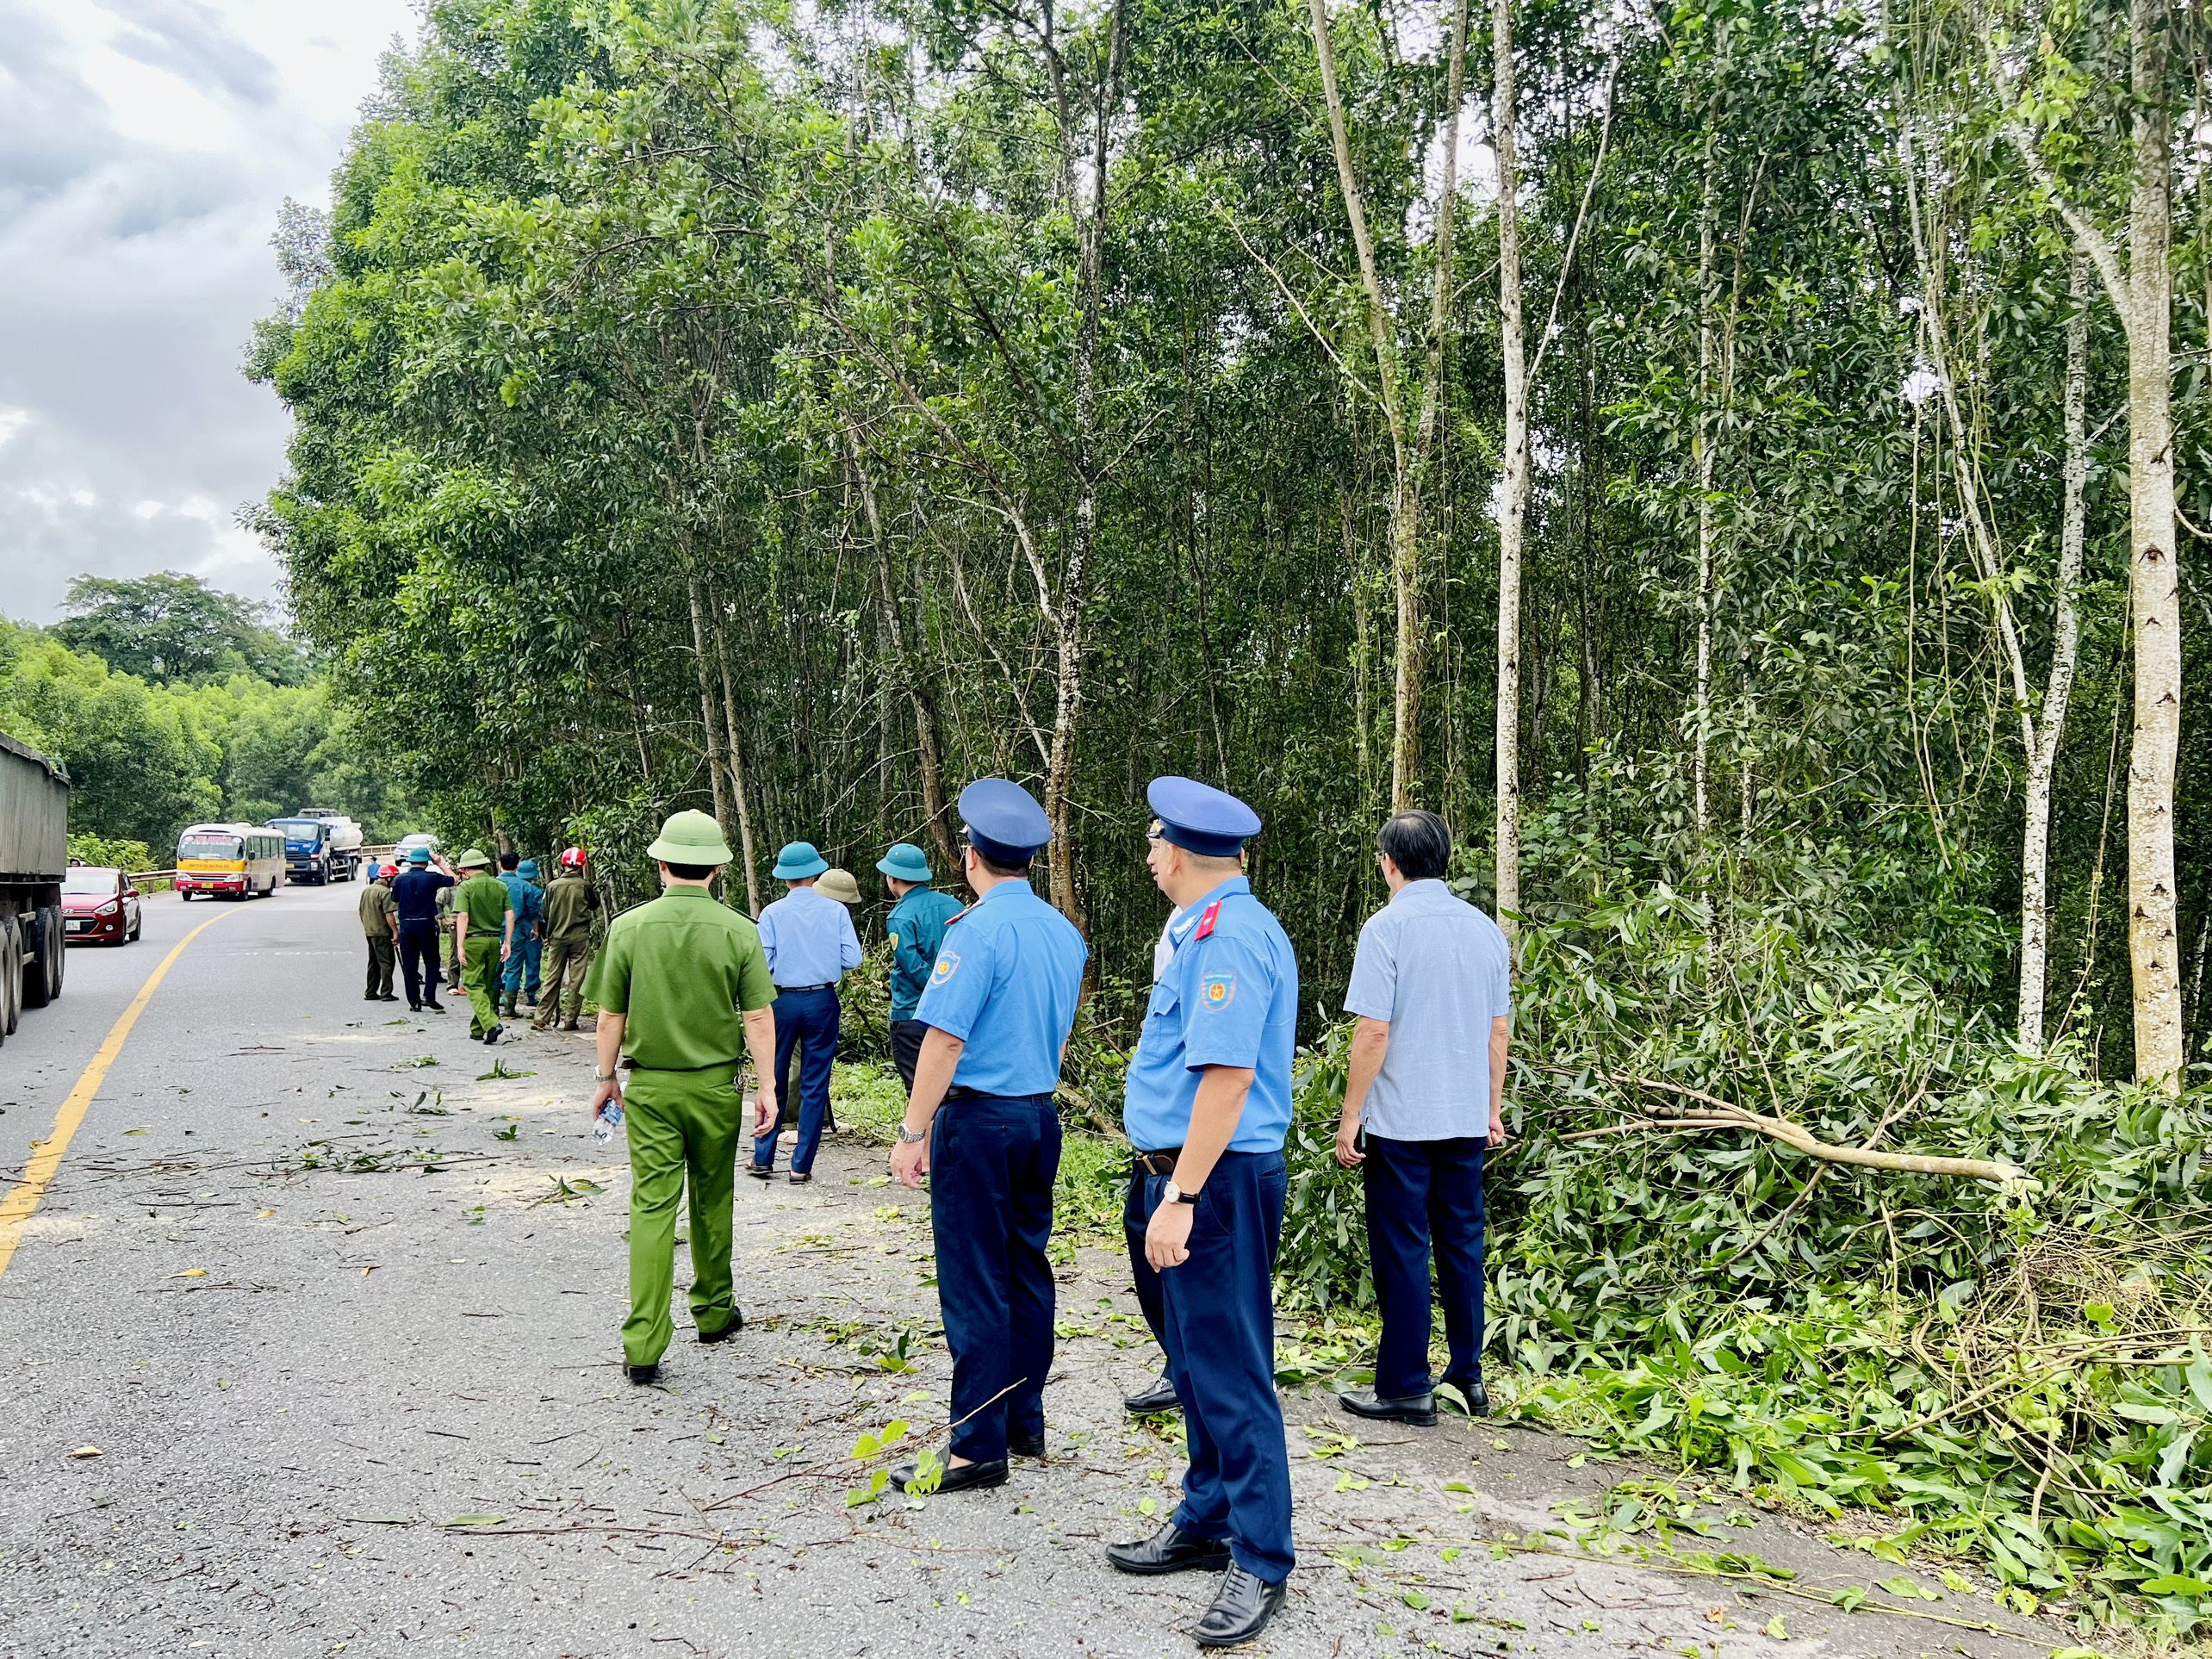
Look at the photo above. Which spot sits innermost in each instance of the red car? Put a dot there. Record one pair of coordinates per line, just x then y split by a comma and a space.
99, 906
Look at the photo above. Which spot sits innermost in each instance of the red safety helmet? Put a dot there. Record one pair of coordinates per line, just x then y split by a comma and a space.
573, 859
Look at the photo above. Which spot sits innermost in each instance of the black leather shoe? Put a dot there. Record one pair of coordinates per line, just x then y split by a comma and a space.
1478, 1399
1168, 1551
645, 1373
736, 1324
492, 1036
761, 1172
800, 1177
1241, 1609
1419, 1409
435, 1008
1158, 1397
1031, 1447
966, 1477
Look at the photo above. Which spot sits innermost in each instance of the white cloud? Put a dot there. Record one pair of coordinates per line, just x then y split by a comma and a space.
144, 148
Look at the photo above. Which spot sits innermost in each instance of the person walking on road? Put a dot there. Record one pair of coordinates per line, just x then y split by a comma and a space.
380, 921
416, 896
1431, 986
981, 1122
1206, 1105
569, 905
810, 945
684, 994
917, 927
526, 899
483, 927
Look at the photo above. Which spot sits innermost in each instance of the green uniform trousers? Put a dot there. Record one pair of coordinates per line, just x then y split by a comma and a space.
683, 1126
480, 973
571, 957
383, 956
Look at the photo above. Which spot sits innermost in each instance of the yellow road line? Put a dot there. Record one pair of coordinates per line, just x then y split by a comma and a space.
23, 1197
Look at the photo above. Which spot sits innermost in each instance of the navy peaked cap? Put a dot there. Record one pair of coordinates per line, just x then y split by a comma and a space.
1210, 822
1003, 821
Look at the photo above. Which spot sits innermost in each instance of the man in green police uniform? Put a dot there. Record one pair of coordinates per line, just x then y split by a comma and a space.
483, 922
683, 990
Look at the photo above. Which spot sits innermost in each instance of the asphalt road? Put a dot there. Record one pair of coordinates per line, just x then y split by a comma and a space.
339, 1314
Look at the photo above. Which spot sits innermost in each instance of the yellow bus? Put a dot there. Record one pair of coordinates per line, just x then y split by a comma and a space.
235, 860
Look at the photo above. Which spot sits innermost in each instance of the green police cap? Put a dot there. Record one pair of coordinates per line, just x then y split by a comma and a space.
690, 838
473, 859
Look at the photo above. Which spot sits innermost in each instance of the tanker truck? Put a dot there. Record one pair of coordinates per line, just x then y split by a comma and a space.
343, 850
34, 854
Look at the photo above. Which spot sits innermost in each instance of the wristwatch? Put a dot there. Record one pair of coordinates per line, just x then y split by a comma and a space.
604, 1076
907, 1137
1172, 1193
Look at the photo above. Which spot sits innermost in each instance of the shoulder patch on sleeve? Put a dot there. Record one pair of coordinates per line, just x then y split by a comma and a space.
1216, 990
949, 964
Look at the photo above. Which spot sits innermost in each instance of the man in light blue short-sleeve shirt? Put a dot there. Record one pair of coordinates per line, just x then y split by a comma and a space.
1431, 986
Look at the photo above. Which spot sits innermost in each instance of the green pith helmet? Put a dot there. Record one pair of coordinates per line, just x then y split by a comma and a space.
473, 859
690, 838
840, 885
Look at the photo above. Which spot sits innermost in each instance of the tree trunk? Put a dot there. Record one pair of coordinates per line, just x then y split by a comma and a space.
2154, 576
2042, 760
1512, 510
1405, 498
1701, 448
738, 785
714, 758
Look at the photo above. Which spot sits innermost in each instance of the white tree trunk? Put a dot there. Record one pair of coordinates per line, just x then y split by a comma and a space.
1512, 508
2154, 575
2042, 758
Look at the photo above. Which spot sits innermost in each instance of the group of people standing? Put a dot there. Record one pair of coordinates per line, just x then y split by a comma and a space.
506, 940
984, 999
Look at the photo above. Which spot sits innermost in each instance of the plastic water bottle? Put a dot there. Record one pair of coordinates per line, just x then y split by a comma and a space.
608, 1121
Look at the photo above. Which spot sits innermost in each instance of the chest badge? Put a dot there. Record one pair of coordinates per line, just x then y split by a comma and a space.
1217, 990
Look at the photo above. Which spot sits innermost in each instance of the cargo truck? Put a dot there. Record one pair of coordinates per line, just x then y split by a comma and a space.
342, 852
33, 854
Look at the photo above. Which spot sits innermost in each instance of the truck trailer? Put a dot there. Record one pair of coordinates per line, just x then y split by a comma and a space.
34, 854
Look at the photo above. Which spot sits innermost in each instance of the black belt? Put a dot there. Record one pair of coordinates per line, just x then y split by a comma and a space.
1158, 1163
827, 984
961, 1091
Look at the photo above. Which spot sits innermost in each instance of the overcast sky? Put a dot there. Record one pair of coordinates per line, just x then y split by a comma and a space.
146, 146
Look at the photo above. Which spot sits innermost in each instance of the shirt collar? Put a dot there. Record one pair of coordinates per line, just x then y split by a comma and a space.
1235, 885
1426, 888
687, 893
1008, 887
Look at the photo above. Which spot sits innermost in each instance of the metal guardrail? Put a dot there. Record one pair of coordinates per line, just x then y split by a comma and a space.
369, 855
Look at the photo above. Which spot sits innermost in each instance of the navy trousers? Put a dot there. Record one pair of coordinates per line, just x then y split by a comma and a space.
1419, 1194
906, 1048
1220, 1308
993, 1159
419, 963
807, 1019
1136, 1211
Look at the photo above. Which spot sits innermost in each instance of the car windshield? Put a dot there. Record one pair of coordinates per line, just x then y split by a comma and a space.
88, 879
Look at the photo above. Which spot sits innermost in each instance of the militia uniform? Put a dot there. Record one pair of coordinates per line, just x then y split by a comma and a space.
1227, 997
380, 923
683, 970
917, 926
570, 904
1006, 982
483, 899
527, 900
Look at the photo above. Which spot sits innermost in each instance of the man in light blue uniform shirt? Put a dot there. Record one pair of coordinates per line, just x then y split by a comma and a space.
1432, 987
810, 945
981, 1122
1206, 1104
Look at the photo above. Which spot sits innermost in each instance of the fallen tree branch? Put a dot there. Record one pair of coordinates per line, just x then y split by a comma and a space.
1720, 1114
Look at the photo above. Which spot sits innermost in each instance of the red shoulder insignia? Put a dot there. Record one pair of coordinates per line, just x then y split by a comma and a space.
1206, 921
957, 916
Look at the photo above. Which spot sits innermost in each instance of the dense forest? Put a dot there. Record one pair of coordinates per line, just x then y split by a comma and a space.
1743, 463
171, 702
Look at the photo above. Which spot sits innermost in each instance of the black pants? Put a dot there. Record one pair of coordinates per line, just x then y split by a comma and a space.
1425, 1194
906, 1048
381, 953
1136, 1216
419, 963
993, 1159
